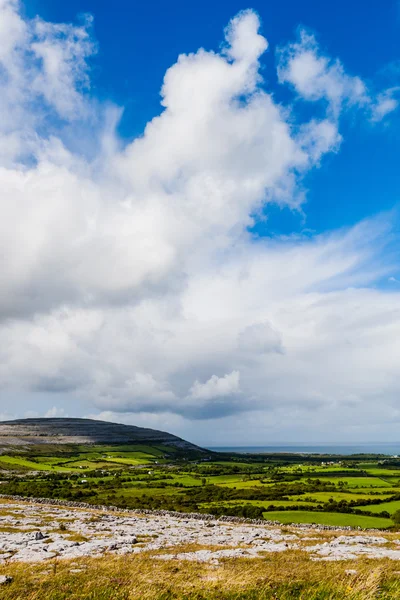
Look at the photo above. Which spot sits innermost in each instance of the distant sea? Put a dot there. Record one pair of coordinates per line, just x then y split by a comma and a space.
373, 448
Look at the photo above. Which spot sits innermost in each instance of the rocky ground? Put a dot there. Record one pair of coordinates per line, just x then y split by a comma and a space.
36, 532
38, 431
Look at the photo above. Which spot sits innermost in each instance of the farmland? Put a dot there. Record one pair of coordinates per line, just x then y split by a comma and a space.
359, 491
334, 519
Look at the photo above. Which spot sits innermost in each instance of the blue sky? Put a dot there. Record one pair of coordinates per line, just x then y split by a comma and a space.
199, 217
138, 41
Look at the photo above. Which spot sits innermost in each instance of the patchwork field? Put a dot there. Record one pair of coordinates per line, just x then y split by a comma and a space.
357, 491
334, 519
390, 507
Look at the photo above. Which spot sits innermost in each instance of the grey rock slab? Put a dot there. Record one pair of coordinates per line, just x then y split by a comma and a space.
358, 539
118, 533
28, 555
335, 551
5, 556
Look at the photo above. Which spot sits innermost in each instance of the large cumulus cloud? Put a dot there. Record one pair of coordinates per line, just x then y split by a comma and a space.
129, 279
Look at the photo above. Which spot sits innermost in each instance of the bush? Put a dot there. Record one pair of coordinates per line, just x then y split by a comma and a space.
396, 517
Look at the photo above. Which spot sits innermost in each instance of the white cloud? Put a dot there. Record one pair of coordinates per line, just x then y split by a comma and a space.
43, 72
320, 137
260, 338
386, 103
6, 416
129, 279
55, 412
315, 76
61, 51
160, 421
141, 391
243, 42
216, 387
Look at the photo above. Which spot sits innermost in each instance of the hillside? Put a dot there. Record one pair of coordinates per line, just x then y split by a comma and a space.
83, 431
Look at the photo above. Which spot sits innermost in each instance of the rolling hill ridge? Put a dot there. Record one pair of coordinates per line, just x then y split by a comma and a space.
83, 431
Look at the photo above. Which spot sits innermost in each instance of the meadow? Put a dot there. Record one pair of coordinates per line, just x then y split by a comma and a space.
287, 576
358, 491
335, 519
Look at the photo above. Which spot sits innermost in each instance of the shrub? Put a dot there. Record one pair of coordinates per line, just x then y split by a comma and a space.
396, 517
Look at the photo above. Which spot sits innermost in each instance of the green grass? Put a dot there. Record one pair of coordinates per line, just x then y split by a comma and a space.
244, 484
185, 479
155, 450
87, 464
52, 460
357, 482
387, 491
217, 479
318, 469
242, 465
129, 492
381, 472
262, 503
140, 460
322, 497
390, 507
335, 519
365, 482
17, 461
88, 460
136, 467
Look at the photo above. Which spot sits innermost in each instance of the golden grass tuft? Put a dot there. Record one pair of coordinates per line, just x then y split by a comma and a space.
278, 576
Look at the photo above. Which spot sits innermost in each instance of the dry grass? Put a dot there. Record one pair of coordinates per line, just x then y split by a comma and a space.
10, 513
74, 536
283, 576
13, 529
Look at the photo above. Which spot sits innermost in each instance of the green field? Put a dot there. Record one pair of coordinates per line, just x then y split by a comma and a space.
262, 503
224, 479
358, 482
159, 477
140, 459
357, 494
380, 472
390, 507
107, 458
322, 518
17, 461
242, 484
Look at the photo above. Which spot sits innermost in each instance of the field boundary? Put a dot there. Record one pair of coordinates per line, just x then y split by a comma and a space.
178, 515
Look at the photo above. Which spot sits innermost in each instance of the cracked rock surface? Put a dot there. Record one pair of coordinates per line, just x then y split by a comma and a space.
34, 533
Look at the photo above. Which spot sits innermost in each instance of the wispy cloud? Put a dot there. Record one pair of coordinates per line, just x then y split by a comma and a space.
128, 276
316, 76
